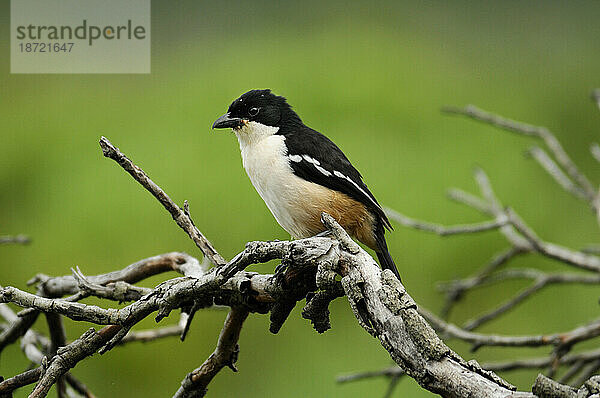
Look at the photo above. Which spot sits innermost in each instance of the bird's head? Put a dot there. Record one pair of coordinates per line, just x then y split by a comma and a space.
256, 107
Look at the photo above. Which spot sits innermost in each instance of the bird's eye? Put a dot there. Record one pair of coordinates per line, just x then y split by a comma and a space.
253, 111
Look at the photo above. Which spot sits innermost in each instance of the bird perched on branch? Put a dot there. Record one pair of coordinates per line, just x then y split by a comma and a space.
300, 173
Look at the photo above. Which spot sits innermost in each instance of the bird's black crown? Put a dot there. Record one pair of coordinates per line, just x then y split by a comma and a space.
264, 107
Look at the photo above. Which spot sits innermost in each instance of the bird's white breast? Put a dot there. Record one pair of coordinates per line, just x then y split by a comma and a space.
264, 156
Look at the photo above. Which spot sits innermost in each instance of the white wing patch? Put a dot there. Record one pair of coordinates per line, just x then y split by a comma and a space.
295, 158
311, 160
340, 175
323, 171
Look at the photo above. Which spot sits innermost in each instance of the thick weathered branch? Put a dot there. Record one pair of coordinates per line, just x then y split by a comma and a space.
381, 305
384, 308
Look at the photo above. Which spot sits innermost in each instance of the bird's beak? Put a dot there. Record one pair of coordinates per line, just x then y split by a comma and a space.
226, 121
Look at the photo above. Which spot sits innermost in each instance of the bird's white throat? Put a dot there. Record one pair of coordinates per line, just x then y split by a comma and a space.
253, 132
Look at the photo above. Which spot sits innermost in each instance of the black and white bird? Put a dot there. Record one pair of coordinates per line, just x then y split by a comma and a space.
300, 173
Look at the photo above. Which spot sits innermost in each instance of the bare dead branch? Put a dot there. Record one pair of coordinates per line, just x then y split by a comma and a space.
63, 285
180, 216
384, 308
532, 363
195, 384
419, 350
532, 131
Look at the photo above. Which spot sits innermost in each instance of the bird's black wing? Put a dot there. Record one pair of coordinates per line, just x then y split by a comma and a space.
315, 158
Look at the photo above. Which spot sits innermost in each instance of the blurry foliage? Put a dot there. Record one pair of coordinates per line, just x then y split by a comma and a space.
370, 75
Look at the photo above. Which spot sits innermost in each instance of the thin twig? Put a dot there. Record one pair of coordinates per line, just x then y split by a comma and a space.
154, 334
555, 172
497, 210
78, 386
470, 200
478, 340
181, 218
455, 290
551, 250
443, 230
510, 304
386, 372
542, 362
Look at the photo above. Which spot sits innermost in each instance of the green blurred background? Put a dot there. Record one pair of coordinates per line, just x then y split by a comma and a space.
372, 76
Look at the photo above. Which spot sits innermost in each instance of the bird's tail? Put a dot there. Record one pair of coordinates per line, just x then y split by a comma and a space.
383, 254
